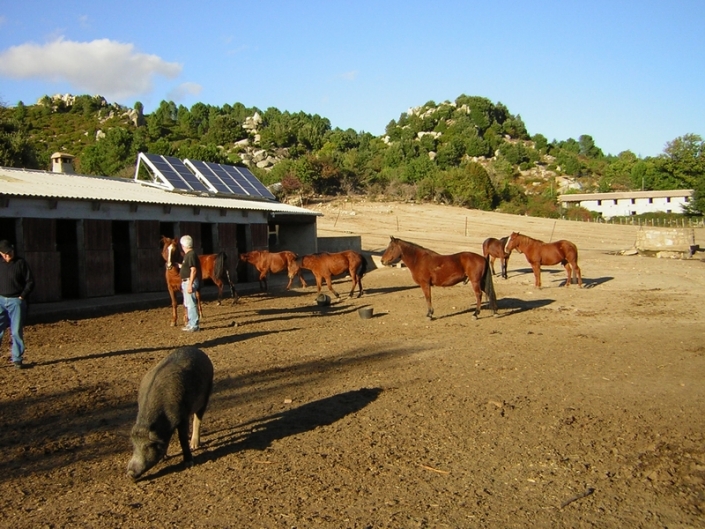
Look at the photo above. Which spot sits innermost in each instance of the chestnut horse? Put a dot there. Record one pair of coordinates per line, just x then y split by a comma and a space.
213, 267
495, 248
539, 253
429, 268
274, 262
325, 265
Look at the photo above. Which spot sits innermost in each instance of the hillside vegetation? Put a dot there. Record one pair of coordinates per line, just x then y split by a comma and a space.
469, 152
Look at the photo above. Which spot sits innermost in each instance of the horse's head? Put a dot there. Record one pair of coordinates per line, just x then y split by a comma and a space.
169, 250
245, 257
294, 267
512, 243
392, 253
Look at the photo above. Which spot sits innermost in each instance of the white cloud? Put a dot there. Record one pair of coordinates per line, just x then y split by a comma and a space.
349, 76
184, 89
112, 69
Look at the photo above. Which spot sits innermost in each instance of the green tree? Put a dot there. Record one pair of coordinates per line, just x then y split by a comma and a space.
470, 186
684, 160
16, 149
109, 155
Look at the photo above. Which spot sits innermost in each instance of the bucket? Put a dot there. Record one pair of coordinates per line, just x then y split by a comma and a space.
323, 300
365, 313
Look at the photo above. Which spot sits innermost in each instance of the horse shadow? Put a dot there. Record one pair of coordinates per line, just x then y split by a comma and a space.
387, 290
515, 306
261, 433
522, 271
597, 281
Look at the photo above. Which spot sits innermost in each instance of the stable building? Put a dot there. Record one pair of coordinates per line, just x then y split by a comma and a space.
88, 236
625, 204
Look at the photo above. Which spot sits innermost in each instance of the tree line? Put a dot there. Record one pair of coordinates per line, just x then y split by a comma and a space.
469, 152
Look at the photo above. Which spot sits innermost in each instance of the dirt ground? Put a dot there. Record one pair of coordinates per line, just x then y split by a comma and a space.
572, 408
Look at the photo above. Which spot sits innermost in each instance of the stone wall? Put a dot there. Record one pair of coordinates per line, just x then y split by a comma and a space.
666, 242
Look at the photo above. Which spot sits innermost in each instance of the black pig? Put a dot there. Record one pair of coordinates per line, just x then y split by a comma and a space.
176, 388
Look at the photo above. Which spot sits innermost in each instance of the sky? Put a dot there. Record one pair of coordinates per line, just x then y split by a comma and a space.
631, 74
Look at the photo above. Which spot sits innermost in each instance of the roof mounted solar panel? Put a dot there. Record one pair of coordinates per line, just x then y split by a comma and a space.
230, 179
171, 173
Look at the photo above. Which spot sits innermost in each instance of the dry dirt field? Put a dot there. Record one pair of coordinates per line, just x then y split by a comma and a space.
572, 408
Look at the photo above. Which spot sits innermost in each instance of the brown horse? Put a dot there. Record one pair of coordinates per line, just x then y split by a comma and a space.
213, 267
325, 265
539, 253
274, 262
429, 268
495, 248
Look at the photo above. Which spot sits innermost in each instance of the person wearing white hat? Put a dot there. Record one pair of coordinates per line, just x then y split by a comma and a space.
190, 283
16, 283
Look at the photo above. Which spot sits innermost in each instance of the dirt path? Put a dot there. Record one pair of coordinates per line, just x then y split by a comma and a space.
573, 408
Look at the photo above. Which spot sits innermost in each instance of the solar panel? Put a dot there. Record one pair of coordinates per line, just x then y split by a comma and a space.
172, 173
230, 179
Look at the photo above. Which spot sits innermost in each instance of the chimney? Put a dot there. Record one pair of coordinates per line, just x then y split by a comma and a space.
62, 163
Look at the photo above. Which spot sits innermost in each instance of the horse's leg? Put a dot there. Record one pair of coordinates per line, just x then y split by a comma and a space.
288, 285
353, 277
569, 273
576, 268
219, 284
504, 262
172, 295
492, 258
263, 281
303, 283
426, 288
477, 288
537, 274
198, 304
330, 286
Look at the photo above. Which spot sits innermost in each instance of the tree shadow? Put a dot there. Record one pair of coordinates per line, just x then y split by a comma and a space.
259, 434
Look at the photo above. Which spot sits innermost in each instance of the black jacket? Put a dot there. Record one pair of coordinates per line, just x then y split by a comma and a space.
16, 278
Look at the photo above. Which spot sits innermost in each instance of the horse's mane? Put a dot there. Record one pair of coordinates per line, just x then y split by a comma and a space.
417, 246
526, 237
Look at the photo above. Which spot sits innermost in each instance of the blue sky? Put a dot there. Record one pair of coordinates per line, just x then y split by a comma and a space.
629, 74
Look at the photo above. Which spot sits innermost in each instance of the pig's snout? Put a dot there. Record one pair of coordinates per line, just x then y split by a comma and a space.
135, 468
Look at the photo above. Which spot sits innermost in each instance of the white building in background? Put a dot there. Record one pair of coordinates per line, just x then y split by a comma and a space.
628, 203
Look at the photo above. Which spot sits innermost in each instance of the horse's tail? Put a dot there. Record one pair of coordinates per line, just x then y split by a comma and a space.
221, 262
221, 272
488, 285
362, 268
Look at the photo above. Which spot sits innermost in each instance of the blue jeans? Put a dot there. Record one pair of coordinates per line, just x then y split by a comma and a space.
190, 303
12, 315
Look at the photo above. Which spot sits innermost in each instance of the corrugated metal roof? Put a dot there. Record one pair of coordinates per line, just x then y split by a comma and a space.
45, 184
577, 197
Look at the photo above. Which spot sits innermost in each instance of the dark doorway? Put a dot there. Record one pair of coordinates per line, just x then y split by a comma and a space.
207, 238
7, 231
241, 237
122, 257
67, 245
166, 229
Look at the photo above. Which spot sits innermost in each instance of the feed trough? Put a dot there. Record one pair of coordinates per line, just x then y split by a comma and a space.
365, 313
323, 300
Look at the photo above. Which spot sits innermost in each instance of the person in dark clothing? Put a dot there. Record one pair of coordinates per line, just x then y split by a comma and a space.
16, 283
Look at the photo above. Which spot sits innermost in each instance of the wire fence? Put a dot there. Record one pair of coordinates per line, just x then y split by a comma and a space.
688, 222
